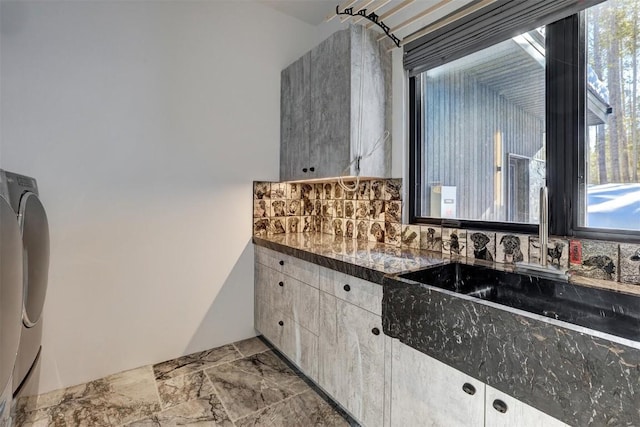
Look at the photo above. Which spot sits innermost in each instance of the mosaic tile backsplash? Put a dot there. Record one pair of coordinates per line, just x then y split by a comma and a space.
373, 212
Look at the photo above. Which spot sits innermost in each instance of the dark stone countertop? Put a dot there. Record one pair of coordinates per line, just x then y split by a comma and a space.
580, 376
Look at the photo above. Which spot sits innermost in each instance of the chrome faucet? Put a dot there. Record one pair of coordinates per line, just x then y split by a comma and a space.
543, 228
543, 269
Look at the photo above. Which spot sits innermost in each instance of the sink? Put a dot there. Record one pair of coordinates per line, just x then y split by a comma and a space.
603, 310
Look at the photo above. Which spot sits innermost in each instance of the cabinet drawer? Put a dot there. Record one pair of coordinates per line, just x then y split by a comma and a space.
423, 388
514, 412
302, 303
352, 289
267, 323
263, 277
269, 258
294, 299
294, 341
301, 270
301, 347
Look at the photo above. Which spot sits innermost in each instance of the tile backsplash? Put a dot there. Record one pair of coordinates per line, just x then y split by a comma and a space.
368, 211
372, 211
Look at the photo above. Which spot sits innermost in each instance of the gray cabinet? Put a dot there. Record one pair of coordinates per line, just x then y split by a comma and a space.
351, 358
320, 128
329, 325
438, 395
295, 116
286, 309
422, 388
515, 412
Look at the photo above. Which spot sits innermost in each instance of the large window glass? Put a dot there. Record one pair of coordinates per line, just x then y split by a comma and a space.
610, 190
482, 145
555, 106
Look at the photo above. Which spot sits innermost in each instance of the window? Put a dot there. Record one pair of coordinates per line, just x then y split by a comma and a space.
610, 189
556, 102
482, 124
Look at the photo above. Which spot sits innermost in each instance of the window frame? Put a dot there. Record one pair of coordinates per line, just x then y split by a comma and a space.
566, 145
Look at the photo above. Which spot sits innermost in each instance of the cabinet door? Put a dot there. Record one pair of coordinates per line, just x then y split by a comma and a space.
331, 92
426, 392
294, 120
515, 412
351, 358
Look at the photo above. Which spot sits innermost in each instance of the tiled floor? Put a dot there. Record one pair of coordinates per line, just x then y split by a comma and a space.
240, 384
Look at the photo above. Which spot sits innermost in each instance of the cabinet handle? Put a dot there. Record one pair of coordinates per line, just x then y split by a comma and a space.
281, 262
281, 323
500, 406
281, 284
312, 169
304, 170
375, 331
469, 389
347, 288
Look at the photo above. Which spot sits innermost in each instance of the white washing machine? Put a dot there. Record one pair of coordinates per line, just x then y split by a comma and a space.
34, 227
11, 294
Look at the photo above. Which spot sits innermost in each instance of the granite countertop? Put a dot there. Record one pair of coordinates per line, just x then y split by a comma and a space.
367, 260
578, 375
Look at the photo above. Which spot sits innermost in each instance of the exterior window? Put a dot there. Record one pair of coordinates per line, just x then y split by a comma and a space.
609, 192
482, 149
555, 106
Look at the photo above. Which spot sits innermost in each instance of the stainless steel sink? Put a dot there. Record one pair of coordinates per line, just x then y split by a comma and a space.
604, 310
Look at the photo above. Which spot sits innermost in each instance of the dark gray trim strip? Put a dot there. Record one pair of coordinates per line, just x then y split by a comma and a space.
490, 25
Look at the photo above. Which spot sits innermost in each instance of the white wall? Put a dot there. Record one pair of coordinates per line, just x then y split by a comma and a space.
144, 123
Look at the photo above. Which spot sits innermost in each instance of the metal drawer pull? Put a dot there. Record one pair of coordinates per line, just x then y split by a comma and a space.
500, 406
281, 283
281, 262
469, 389
375, 331
347, 288
281, 323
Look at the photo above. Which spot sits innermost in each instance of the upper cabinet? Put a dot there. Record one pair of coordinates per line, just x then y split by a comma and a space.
295, 118
323, 96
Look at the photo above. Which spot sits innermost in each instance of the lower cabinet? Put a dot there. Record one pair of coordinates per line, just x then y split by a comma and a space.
505, 411
351, 358
329, 324
286, 313
427, 392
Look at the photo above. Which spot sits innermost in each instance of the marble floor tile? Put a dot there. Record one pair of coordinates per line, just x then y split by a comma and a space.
211, 388
182, 389
129, 395
253, 383
305, 409
195, 362
112, 400
79, 413
202, 412
251, 346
